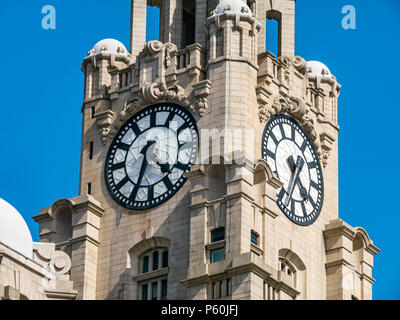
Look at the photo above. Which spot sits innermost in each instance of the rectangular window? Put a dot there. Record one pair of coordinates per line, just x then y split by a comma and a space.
145, 291
254, 238
93, 112
155, 260
146, 264
91, 150
218, 234
154, 291
164, 289
217, 255
89, 188
228, 287
165, 259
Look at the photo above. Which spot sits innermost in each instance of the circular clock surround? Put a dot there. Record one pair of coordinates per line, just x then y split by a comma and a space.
291, 155
149, 155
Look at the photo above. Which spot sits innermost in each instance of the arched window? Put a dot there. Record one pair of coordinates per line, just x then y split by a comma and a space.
273, 32
62, 214
293, 271
148, 263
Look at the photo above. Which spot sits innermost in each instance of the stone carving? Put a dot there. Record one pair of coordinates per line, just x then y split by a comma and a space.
294, 107
58, 261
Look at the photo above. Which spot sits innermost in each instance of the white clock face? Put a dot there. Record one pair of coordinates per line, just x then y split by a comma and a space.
290, 153
149, 155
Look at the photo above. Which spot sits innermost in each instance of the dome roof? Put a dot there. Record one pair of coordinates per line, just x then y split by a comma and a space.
14, 231
316, 68
233, 6
110, 46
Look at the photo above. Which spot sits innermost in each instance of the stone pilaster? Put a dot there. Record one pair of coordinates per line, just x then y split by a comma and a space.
85, 243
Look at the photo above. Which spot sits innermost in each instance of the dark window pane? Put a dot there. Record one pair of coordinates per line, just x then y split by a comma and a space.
228, 287
146, 264
218, 234
145, 289
165, 259
217, 255
155, 260
154, 291
164, 289
254, 238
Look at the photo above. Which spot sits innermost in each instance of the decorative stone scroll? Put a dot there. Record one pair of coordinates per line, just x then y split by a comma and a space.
297, 109
158, 92
58, 261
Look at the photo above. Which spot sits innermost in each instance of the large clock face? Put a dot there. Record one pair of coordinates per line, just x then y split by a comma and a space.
290, 153
148, 157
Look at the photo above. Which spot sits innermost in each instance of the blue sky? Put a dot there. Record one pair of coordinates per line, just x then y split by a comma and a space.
42, 97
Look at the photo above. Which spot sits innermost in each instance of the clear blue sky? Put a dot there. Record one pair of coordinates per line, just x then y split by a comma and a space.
42, 89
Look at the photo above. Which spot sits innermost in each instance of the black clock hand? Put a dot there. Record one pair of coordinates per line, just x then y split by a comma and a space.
142, 169
294, 179
165, 168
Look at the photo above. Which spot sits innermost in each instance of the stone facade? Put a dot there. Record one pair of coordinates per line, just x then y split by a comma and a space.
228, 81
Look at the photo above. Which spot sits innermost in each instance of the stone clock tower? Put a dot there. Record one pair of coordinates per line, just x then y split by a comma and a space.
209, 167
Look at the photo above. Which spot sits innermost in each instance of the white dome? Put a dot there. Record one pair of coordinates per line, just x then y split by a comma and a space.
316, 68
233, 6
110, 46
14, 231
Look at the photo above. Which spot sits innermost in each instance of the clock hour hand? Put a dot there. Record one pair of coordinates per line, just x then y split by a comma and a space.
296, 169
165, 168
143, 168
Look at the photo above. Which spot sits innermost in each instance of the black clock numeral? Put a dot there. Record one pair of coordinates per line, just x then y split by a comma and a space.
181, 166
303, 146
270, 154
293, 132
292, 206
136, 129
274, 139
150, 192
118, 166
123, 146
122, 182
314, 185
312, 165
303, 208
168, 183
169, 119
281, 194
181, 128
310, 199
153, 116
282, 131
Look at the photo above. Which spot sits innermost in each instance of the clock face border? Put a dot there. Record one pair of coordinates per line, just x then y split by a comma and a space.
158, 107
301, 221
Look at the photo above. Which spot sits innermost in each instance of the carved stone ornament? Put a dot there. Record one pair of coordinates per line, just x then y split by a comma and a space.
294, 107
58, 261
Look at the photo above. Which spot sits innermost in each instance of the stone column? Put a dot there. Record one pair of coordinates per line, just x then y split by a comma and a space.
85, 242
138, 26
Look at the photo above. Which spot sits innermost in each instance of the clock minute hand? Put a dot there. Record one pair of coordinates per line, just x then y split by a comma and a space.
142, 169
297, 167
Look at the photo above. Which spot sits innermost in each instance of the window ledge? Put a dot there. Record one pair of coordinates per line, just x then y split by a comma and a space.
256, 249
151, 275
216, 245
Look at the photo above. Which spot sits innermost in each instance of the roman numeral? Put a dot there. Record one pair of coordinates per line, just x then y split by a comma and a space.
303, 208
281, 194
303, 146
274, 138
168, 183
182, 127
270, 154
282, 131
136, 129
181, 166
311, 201
118, 166
169, 119
122, 182
123, 146
153, 119
312, 165
150, 194
314, 185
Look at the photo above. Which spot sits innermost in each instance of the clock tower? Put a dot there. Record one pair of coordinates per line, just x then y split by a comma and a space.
209, 166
